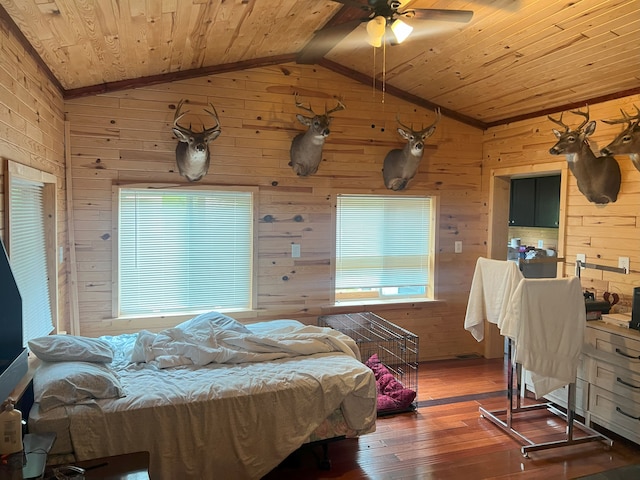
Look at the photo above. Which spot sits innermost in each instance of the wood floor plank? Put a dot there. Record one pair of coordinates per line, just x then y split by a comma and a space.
447, 439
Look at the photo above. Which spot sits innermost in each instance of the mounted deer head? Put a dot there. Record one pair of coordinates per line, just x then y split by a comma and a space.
306, 148
598, 177
192, 151
400, 164
628, 142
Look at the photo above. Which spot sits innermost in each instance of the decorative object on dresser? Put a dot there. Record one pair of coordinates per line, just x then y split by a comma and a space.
635, 310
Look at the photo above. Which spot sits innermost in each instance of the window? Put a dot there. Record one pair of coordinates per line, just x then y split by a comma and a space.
32, 220
183, 251
384, 247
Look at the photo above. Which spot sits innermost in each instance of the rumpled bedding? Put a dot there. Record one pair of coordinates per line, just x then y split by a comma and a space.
206, 419
203, 342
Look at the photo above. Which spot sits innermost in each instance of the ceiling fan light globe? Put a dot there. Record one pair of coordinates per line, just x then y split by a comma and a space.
401, 30
375, 41
375, 30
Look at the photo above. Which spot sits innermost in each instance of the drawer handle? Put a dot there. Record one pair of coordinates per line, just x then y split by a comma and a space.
620, 352
619, 410
627, 384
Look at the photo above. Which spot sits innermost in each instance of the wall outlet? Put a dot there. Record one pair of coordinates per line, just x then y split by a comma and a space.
581, 257
623, 262
295, 250
457, 247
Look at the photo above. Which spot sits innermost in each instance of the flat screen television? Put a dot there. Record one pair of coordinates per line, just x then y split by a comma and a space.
13, 355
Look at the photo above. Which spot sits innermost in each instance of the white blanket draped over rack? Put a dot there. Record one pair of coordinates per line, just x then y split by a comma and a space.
547, 318
492, 287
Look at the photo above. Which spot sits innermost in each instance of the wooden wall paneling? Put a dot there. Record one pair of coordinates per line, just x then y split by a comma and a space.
125, 137
602, 233
32, 125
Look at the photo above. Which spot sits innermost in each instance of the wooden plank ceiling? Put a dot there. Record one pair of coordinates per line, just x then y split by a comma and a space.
514, 59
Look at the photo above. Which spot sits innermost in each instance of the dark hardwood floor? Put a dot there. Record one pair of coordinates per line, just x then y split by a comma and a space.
447, 439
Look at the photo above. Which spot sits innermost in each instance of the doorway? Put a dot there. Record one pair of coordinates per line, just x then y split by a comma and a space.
497, 248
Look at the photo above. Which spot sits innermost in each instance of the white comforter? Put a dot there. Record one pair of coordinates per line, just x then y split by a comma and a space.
226, 420
203, 343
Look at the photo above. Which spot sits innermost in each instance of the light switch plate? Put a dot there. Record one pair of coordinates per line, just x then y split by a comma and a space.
295, 250
458, 246
623, 262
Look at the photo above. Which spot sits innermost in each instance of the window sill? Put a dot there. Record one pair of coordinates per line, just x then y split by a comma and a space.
359, 305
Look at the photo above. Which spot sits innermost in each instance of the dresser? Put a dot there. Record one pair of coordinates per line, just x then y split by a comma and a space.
612, 356
608, 380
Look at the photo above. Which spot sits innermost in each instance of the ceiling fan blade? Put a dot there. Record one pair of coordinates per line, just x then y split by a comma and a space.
324, 40
461, 16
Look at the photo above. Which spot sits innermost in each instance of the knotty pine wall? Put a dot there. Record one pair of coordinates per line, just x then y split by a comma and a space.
32, 134
125, 137
602, 233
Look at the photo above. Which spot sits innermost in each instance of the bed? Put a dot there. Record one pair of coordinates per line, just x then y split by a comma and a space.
271, 388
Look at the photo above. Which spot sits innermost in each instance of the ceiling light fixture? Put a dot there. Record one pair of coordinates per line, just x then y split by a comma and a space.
401, 30
375, 30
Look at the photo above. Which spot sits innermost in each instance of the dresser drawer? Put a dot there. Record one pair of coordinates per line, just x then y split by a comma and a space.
618, 380
617, 349
617, 413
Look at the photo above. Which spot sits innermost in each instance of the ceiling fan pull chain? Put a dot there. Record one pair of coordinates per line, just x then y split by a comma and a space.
384, 66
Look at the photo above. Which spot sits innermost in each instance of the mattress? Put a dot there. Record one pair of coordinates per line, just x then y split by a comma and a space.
240, 420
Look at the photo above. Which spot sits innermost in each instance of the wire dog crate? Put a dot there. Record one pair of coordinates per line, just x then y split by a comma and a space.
396, 347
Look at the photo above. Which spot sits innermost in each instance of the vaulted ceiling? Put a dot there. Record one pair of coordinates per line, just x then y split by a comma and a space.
514, 59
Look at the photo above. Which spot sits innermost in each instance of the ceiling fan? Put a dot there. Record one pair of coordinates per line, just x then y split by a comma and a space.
382, 17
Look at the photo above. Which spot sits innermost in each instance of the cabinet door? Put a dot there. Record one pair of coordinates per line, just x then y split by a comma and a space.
522, 208
547, 211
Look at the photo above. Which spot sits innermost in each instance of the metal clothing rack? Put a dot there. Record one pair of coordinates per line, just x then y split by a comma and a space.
580, 264
505, 418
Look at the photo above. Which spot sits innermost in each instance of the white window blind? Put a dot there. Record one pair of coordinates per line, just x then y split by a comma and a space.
383, 242
184, 251
29, 257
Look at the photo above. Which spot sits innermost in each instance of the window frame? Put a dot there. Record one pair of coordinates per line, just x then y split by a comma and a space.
152, 319
18, 171
364, 299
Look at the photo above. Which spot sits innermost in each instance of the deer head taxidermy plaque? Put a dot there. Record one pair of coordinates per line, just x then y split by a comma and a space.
598, 177
628, 141
306, 148
192, 151
401, 164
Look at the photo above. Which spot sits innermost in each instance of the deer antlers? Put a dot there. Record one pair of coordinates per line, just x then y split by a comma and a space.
338, 107
177, 116
575, 112
424, 130
626, 118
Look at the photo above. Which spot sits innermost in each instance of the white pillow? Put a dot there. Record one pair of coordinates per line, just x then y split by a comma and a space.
68, 383
70, 348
